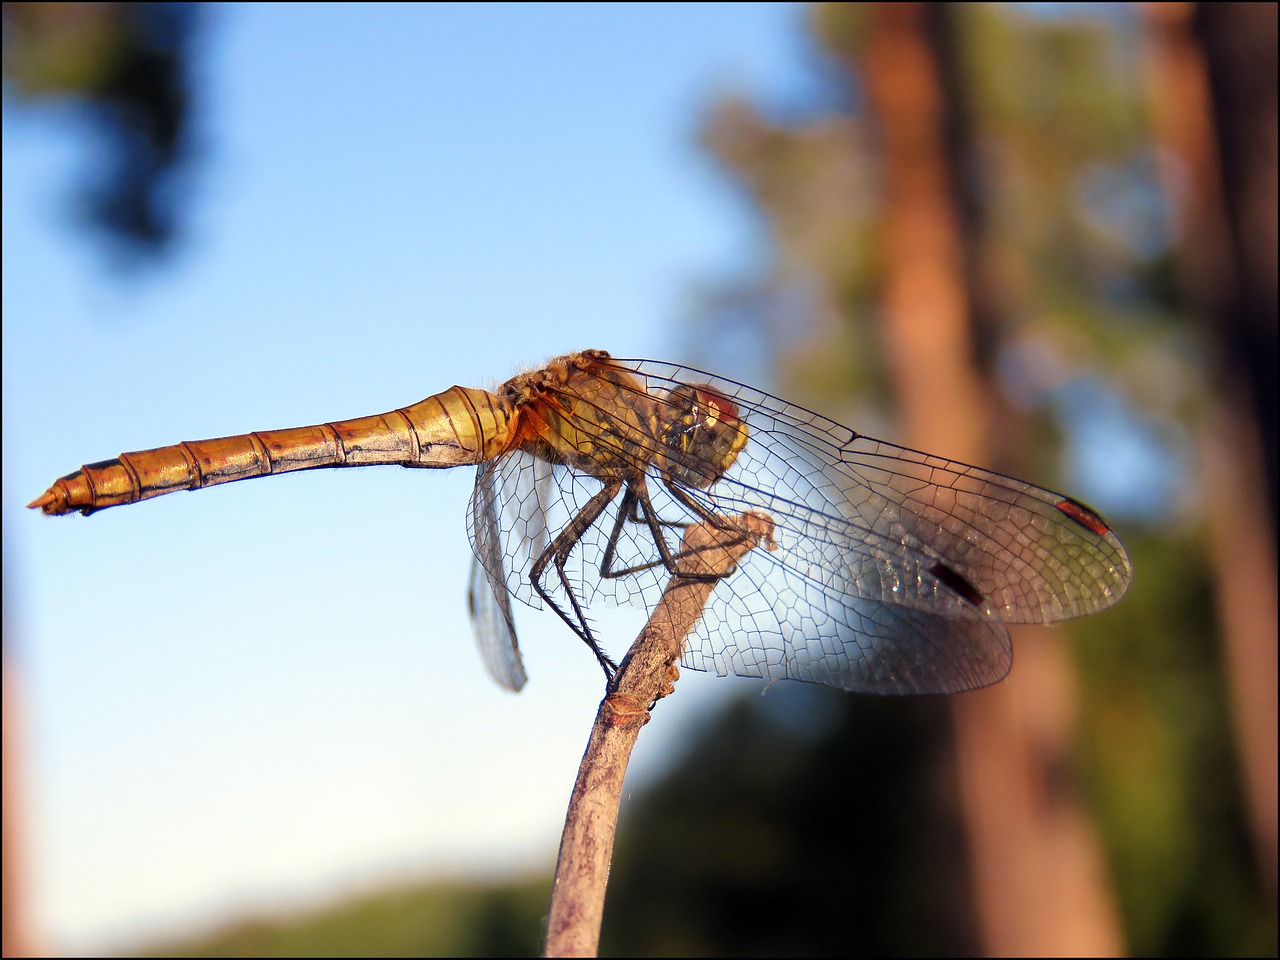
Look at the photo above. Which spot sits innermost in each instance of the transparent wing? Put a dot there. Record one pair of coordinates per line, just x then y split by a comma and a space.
892, 571
534, 500
487, 595
867, 517
855, 644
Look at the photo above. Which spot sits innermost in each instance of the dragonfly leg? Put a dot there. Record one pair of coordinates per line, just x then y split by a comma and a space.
636, 502
557, 553
628, 511
707, 516
637, 509
633, 514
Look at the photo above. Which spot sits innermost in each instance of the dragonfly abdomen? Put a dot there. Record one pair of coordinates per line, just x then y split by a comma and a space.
458, 426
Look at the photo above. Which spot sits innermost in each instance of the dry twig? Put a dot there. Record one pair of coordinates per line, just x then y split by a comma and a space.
646, 675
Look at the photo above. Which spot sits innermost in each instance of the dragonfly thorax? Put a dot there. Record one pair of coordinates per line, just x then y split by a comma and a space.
701, 433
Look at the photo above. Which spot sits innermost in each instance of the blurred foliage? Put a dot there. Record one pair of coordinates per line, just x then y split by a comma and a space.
801, 822
125, 68
1159, 761
427, 920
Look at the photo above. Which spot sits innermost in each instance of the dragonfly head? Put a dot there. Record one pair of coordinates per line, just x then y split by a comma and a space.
701, 432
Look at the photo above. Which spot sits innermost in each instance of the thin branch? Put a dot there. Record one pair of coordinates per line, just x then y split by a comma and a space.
646, 675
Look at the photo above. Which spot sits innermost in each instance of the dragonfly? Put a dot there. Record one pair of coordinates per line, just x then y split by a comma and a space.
882, 569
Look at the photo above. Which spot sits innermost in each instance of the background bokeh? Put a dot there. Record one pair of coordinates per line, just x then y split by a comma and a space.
264, 702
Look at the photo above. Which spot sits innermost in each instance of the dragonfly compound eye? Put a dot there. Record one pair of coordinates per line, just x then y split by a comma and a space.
701, 432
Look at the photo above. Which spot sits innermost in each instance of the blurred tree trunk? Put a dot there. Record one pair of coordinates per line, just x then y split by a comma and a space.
1211, 72
1040, 882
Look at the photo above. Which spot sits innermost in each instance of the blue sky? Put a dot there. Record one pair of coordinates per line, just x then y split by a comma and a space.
267, 694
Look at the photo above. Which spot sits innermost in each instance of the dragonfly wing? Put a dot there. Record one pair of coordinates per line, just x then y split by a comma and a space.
810, 605
862, 646
534, 501
487, 594
1029, 554
1038, 556
893, 571
528, 503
